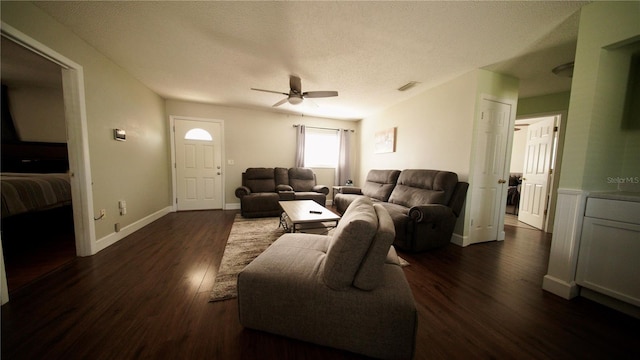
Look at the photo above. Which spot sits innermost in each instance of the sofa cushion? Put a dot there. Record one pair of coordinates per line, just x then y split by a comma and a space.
282, 176
420, 187
369, 276
260, 179
349, 244
302, 179
380, 184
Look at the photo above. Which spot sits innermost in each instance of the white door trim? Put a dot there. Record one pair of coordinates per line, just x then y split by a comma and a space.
174, 181
565, 244
77, 138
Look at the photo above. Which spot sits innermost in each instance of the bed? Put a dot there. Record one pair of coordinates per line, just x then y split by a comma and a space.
23, 193
34, 178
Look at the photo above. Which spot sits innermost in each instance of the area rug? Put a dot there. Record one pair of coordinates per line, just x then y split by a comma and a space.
248, 239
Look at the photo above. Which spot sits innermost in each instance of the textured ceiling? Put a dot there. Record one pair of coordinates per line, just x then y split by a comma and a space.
214, 52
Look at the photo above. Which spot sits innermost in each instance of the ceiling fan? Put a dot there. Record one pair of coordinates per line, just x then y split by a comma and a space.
295, 95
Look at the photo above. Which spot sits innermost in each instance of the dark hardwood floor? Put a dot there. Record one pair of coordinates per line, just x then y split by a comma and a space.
147, 297
31, 252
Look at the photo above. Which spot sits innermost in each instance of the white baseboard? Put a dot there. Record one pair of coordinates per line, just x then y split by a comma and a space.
460, 240
232, 206
559, 287
114, 237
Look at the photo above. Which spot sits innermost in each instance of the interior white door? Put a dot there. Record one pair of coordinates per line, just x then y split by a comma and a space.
488, 189
535, 175
198, 151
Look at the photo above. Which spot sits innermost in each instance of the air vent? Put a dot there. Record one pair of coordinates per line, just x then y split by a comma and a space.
408, 85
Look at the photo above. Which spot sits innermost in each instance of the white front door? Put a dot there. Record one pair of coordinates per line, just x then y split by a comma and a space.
535, 175
198, 151
488, 178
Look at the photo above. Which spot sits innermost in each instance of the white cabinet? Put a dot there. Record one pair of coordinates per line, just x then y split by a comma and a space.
609, 256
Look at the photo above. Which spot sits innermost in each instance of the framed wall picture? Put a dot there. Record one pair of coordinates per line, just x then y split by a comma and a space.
385, 141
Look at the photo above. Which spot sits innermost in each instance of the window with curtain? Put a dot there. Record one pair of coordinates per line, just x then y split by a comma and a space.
321, 148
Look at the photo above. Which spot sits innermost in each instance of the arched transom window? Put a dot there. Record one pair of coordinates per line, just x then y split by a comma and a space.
198, 134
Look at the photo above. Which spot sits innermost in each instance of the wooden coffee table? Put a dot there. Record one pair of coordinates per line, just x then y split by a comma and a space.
304, 215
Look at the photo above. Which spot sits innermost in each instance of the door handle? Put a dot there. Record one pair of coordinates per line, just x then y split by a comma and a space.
524, 179
219, 173
502, 181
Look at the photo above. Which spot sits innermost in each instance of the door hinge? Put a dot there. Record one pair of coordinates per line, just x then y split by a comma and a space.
550, 171
555, 129
176, 200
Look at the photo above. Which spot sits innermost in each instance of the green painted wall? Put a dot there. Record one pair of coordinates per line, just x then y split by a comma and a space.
597, 145
558, 102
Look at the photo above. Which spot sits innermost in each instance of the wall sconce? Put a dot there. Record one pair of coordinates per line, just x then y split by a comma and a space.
119, 134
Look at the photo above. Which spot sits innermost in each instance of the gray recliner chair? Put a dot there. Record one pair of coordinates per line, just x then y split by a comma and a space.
345, 291
258, 196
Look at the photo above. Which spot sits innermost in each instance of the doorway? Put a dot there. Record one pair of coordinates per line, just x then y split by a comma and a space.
198, 168
81, 211
535, 166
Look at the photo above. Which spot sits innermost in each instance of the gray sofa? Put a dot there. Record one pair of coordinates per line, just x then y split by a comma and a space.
345, 290
262, 188
424, 204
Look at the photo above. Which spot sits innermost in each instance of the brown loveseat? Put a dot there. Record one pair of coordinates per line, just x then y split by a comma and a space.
424, 204
262, 188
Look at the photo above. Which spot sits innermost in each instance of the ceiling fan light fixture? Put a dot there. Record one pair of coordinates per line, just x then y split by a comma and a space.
294, 100
564, 70
295, 96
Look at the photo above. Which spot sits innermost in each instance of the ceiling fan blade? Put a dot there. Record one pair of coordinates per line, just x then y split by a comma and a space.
320, 94
295, 84
271, 91
280, 102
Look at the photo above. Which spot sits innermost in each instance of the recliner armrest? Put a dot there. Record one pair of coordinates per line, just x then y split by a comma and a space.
351, 190
283, 187
242, 191
321, 189
431, 213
